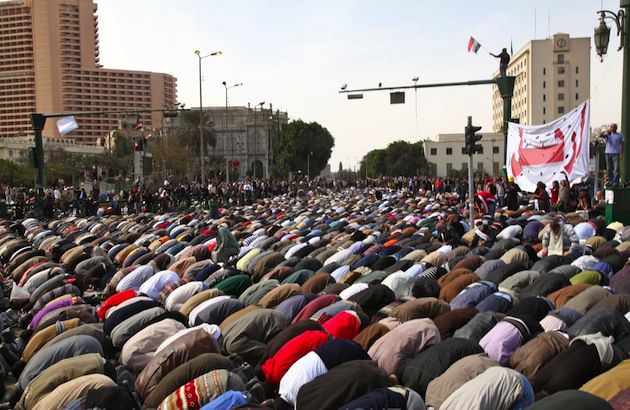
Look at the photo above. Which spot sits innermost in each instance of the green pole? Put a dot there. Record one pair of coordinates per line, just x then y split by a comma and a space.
38, 121
625, 93
506, 89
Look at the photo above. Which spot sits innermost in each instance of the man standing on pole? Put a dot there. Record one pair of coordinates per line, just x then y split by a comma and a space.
614, 151
503, 62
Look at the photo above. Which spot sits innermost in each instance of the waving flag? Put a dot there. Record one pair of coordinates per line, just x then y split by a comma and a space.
473, 45
547, 152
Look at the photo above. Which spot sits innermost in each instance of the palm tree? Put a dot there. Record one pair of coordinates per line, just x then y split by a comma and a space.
188, 131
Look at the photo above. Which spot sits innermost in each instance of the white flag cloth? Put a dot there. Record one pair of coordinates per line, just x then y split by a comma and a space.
545, 152
66, 124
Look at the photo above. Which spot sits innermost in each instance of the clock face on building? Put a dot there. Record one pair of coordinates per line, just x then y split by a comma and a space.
561, 43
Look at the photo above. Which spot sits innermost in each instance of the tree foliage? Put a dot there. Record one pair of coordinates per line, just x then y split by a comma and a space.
400, 158
187, 133
303, 145
14, 174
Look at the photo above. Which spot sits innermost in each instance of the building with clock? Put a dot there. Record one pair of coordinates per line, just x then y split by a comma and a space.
552, 78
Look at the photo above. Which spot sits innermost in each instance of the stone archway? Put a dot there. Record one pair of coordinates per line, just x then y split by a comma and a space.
257, 170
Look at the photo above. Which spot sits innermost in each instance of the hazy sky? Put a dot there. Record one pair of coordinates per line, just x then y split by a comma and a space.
296, 54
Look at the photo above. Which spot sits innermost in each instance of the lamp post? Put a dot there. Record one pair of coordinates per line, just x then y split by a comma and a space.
227, 161
602, 38
415, 93
201, 140
308, 165
260, 104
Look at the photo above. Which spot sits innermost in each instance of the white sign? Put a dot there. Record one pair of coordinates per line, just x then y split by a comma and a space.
547, 152
66, 125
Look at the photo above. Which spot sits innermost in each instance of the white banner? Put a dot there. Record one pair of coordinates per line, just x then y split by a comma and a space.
66, 125
546, 152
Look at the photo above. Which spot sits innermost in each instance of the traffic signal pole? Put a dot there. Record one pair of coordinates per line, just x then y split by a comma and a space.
505, 85
506, 89
38, 121
471, 184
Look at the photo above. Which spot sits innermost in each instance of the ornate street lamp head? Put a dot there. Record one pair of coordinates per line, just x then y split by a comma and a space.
601, 38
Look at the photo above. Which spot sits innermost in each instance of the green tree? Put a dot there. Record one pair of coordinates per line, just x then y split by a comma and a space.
301, 145
400, 158
15, 174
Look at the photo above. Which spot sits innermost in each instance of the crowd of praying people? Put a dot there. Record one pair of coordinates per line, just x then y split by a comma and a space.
369, 294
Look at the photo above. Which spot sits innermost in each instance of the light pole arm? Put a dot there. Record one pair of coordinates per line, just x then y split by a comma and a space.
619, 19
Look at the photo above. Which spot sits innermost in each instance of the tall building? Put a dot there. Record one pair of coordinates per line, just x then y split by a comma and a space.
446, 155
552, 78
49, 63
245, 138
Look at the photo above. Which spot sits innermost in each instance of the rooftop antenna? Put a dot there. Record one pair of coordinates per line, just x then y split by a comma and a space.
548, 24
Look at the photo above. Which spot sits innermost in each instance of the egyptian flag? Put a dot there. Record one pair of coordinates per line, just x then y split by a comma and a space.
473, 45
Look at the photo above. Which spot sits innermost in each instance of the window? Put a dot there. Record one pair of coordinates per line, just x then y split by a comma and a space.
544, 84
449, 168
576, 70
433, 151
577, 96
464, 151
495, 150
495, 168
544, 71
480, 166
560, 58
560, 83
464, 166
544, 97
544, 110
576, 83
449, 151
561, 97
480, 150
560, 70
561, 110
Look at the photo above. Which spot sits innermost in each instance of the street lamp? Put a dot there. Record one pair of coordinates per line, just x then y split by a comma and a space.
415, 92
308, 165
601, 38
260, 104
201, 140
227, 161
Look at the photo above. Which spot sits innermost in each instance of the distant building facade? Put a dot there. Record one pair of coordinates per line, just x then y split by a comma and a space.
552, 78
245, 138
16, 149
446, 155
49, 63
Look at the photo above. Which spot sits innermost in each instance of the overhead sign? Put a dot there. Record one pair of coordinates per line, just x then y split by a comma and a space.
66, 125
355, 96
397, 97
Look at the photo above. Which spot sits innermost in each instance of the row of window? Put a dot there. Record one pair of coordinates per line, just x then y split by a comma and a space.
561, 69
561, 83
480, 167
449, 150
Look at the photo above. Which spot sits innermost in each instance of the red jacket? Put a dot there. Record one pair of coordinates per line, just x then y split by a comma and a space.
115, 300
276, 366
344, 325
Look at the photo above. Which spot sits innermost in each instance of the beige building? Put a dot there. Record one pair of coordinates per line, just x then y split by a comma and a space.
552, 78
446, 154
49, 63
16, 149
244, 136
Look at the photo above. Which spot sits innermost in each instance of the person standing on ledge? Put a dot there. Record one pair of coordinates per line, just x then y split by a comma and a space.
614, 152
504, 60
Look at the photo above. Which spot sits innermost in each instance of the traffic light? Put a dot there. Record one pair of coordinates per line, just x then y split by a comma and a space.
471, 138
